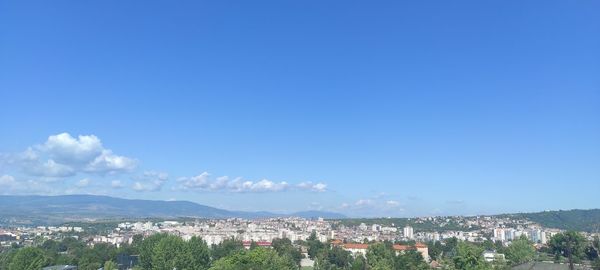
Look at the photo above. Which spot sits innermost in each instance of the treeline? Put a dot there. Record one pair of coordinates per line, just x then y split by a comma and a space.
157, 252
68, 251
569, 247
378, 256
455, 254
167, 252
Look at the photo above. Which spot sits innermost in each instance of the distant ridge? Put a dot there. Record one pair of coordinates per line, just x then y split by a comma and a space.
42, 210
576, 219
56, 209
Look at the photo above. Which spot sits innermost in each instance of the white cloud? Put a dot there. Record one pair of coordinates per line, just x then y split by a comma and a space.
261, 186
392, 203
67, 149
83, 183
10, 185
108, 162
29, 155
221, 183
49, 169
7, 181
203, 182
138, 186
63, 155
318, 187
196, 182
364, 202
116, 184
162, 176
150, 181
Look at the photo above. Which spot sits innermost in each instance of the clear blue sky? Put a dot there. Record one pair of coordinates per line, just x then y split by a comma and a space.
388, 108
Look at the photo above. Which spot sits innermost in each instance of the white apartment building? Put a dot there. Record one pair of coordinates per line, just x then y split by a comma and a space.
409, 232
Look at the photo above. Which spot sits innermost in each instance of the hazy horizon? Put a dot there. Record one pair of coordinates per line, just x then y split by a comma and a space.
287, 213
390, 109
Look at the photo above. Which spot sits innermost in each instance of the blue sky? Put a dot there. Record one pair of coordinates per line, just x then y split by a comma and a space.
387, 108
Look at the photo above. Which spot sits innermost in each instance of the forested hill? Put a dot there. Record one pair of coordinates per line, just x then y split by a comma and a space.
579, 220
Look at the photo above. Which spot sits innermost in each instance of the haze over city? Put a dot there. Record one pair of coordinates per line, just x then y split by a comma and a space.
362, 109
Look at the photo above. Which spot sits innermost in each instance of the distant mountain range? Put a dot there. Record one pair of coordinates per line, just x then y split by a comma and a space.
58, 209
44, 210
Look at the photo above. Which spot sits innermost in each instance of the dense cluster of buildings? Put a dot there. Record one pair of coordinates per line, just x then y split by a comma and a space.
354, 238
215, 231
27, 235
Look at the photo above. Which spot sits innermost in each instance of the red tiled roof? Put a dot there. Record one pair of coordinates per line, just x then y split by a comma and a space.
356, 246
402, 247
259, 243
420, 245
395, 247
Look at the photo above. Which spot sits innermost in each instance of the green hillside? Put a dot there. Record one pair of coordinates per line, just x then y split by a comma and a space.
579, 220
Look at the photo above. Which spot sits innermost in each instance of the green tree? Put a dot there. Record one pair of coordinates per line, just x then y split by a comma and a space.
197, 254
51, 245
94, 258
71, 243
128, 249
469, 257
334, 258
359, 263
284, 247
137, 240
255, 259
29, 258
500, 264
435, 249
6, 257
380, 257
595, 255
520, 251
410, 259
146, 249
89, 265
596, 264
226, 248
314, 245
110, 265
169, 253
593, 250
449, 247
570, 244
488, 244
